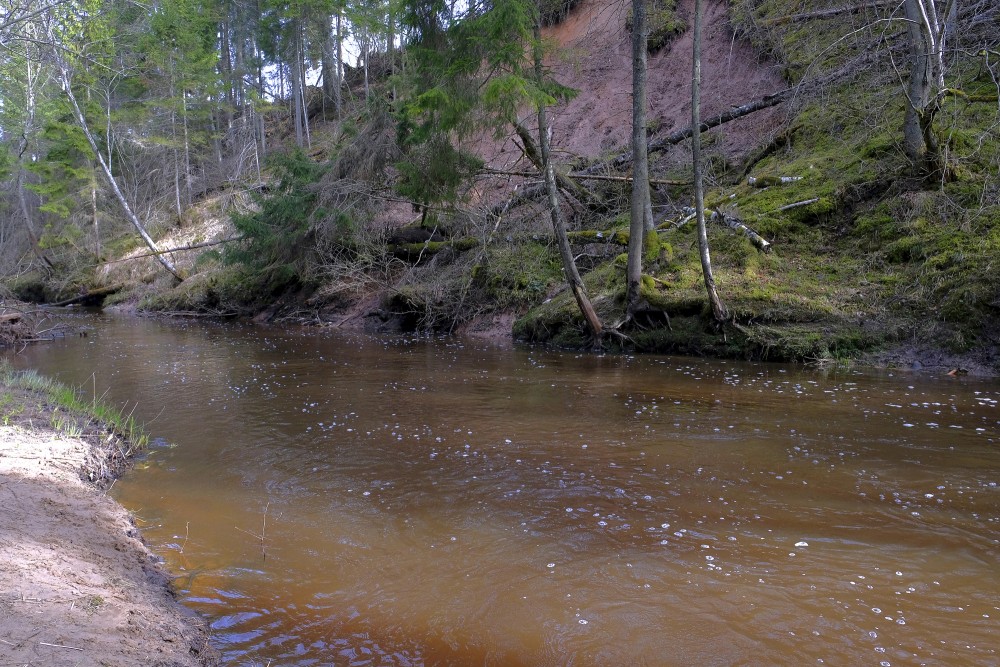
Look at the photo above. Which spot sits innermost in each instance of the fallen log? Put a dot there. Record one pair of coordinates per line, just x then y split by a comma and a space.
415, 251
98, 293
587, 177
797, 204
660, 144
193, 246
522, 195
827, 13
583, 237
738, 225
768, 181
530, 150
728, 220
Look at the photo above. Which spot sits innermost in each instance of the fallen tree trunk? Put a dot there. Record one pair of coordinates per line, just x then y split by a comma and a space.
659, 144
738, 225
587, 177
532, 152
730, 221
97, 293
193, 246
583, 237
827, 13
414, 251
768, 181
529, 193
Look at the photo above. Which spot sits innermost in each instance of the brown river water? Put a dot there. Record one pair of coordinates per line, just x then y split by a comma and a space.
331, 498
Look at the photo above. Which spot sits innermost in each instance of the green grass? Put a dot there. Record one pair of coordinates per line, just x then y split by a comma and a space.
68, 411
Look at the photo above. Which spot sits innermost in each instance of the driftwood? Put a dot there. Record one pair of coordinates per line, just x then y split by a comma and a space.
98, 293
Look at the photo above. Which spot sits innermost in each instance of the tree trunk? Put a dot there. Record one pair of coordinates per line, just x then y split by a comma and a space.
558, 225
641, 221
718, 309
918, 90
94, 213
331, 82
29, 122
132, 218
294, 71
366, 48
338, 101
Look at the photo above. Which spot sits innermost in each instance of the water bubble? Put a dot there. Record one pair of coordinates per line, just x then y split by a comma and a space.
583, 621
801, 544
551, 565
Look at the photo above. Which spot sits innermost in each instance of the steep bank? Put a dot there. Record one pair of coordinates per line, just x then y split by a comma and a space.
78, 585
868, 257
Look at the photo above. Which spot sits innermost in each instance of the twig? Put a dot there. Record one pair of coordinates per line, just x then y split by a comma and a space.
72, 648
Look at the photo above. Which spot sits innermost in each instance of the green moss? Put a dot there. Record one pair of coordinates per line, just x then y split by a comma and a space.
662, 21
228, 290
517, 276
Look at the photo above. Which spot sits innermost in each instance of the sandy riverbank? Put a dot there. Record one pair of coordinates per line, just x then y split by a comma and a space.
77, 585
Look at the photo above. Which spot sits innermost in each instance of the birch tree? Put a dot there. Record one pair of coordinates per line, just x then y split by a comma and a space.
62, 38
718, 309
927, 31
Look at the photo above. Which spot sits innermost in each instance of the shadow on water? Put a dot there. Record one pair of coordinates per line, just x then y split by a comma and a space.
326, 497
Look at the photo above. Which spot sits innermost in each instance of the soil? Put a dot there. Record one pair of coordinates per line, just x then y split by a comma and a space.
77, 585
594, 57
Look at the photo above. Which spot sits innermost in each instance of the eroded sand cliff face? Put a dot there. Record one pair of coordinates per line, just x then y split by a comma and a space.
77, 585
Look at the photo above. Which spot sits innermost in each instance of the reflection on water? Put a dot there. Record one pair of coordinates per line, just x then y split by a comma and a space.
331, 498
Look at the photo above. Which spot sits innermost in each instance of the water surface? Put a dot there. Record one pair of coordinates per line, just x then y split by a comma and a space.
331, 498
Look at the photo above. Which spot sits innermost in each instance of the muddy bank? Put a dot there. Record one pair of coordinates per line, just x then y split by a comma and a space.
77, 585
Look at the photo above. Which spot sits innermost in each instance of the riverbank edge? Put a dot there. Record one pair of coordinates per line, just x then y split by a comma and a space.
78, 581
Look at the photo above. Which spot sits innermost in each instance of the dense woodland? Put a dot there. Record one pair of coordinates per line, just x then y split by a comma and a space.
349, 162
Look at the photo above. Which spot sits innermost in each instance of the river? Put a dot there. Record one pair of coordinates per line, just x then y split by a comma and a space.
334, 498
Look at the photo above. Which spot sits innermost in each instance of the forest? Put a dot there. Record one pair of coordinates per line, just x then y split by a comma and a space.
762, 179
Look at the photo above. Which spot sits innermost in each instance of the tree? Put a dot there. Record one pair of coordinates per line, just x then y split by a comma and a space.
576, 286
718, 309
926, 36
62, 37
641, 223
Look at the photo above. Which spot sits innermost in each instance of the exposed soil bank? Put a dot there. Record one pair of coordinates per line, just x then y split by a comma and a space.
77, 585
